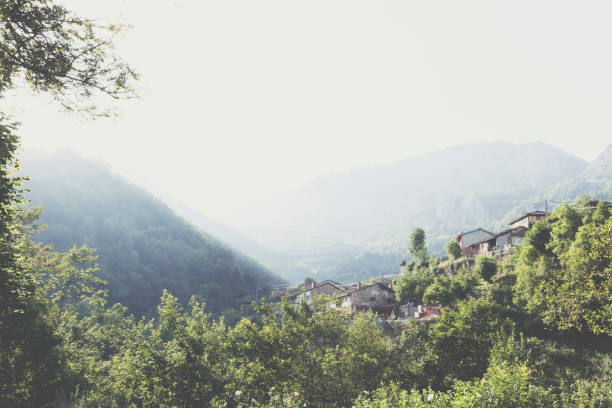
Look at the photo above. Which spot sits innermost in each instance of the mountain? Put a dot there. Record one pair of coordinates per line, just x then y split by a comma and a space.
143, 246
281, 263
339, 224
601, 167
448, 190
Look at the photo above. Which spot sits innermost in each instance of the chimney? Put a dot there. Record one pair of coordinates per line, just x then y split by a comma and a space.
358, 285
390, 284
312, 285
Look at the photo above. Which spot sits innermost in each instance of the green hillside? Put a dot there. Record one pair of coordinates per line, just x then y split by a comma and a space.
356, 225
143, 246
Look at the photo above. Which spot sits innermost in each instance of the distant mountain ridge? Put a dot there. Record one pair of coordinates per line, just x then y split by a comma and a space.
365, 203
369, 213
356, 225
143, 246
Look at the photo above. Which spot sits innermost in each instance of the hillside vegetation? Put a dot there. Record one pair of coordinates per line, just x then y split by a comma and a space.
355, 225
143, 247
508, 337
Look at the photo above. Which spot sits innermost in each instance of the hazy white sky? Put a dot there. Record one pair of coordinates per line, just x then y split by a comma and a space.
246, 98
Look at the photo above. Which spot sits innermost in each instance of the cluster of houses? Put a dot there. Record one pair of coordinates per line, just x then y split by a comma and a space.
377, 296
482, 242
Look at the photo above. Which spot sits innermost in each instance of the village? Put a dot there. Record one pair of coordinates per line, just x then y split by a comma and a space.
377, 294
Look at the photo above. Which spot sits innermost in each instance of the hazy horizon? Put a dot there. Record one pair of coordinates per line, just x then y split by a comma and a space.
272, 95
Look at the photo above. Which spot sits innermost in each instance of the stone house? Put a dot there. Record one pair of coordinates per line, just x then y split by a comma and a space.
378, 297
510, 238
527, 220
470, 241
314, 289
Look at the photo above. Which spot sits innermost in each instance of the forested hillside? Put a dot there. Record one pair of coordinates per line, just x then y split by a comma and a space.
143, 246
451, 189
353, 226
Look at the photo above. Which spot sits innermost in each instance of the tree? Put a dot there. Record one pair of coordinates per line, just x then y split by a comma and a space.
601, 213
564, 229
447, 291
578, 295
71, 59
538, 236
308, 281
486, 267
417, 246
461, 340
453, 250
529, 255
62, 54
411, 287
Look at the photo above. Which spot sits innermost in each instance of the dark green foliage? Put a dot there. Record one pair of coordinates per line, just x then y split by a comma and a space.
411, 286
485, 267
552, 365
447, 291
30, 361
461, 340
417, 246
566, 222
505, 385
538, 236
601, 214
529, 255
72, 59
61, 345
579, 294
60, 53
143, 246
453, 250
314, 358
13, 284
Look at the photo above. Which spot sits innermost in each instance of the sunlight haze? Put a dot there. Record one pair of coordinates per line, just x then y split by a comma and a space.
246, 99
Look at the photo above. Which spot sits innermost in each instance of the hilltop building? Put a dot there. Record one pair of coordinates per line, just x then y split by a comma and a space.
470, 241
482, 242
377, 297
307, 292
527, 220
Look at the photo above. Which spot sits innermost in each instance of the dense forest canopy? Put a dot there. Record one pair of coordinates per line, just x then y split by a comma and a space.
530, 330
371, 212
143, 247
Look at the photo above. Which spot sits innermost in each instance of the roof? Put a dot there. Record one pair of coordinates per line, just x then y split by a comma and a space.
474, 230
387, 307
296, 291
510, 230
504, 232
358, 288
484, 240
301, 288
538, 212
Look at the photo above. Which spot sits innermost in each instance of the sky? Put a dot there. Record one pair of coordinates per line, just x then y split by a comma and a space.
242, 99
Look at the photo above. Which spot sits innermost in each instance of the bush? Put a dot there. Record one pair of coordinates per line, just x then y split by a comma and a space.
453, 250
486, 267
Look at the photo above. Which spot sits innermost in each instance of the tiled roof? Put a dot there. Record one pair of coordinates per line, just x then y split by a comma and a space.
527, 215
484, 240
296, 291
509, 230
474, 230
356, 289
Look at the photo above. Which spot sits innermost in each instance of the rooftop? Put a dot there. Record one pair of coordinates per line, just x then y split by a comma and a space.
358, 288
538, 212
